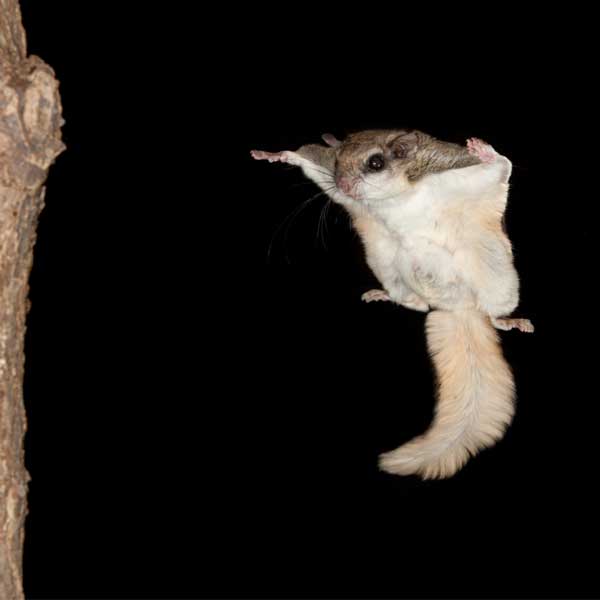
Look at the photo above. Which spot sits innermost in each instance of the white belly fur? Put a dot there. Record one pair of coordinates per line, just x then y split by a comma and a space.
466, 271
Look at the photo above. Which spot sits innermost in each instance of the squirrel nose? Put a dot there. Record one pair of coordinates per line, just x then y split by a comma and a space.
345, 184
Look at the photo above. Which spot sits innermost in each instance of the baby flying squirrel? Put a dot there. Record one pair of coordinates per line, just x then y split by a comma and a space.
429, 214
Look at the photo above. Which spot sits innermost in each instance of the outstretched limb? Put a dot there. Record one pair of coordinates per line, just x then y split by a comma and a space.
480, 181
505, 324
317, 163
313, 170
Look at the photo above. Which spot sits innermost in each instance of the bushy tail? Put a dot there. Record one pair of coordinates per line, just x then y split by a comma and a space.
475, 397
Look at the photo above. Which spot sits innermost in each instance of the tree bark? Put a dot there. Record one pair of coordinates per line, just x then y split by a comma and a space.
30, 140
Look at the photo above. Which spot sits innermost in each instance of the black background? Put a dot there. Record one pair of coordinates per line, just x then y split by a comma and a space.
207, 396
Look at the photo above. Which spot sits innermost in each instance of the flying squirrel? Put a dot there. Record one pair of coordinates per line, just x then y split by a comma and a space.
430, 216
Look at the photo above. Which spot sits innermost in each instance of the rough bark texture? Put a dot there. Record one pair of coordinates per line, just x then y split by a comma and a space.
30, 120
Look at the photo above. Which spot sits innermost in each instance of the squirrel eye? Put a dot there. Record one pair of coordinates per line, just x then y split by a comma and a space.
376, 162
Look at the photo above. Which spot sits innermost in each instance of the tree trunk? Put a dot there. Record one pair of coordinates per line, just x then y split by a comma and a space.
30, 121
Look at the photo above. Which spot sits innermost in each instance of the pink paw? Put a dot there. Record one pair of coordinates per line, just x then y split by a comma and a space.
270, 156
484, 152
524, 325
375, 296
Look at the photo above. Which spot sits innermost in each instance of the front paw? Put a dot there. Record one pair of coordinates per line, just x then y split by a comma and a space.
484, 152
524, 325
270, 156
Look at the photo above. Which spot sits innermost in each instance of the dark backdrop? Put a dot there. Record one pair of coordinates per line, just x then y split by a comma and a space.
207, 395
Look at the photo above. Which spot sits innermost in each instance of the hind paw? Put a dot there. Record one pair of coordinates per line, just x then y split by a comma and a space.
524, 325
375, 296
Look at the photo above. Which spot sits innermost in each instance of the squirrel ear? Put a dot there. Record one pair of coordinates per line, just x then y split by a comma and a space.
331, 140
403, 143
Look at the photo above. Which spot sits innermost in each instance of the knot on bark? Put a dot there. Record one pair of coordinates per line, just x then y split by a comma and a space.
30, 122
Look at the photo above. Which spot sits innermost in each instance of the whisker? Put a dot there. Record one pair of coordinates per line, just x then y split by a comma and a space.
287, 219
324, 172
302, 183
319, 237
322, 226
287, 222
